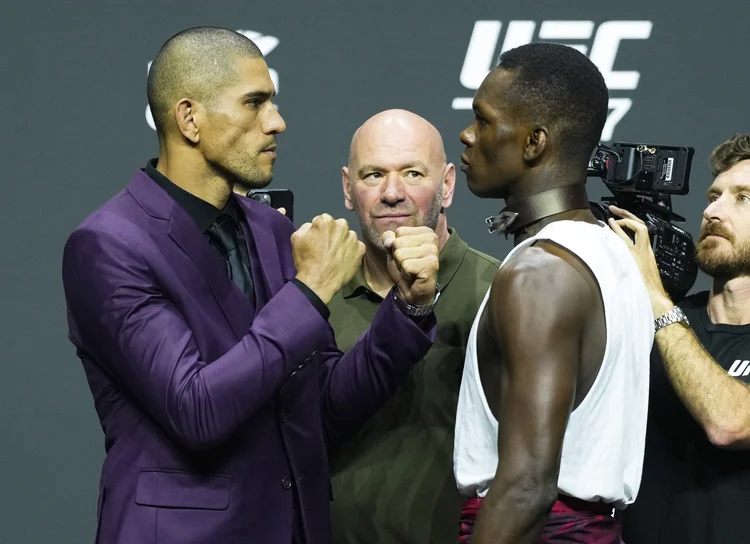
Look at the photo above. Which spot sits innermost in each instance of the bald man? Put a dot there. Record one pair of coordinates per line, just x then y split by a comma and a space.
393, 481
201, 321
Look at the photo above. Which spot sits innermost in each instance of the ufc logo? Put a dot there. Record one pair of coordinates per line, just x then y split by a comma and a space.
600, 46
739, 368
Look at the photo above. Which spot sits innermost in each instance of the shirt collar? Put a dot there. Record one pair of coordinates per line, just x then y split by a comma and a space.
203, 213
450, 258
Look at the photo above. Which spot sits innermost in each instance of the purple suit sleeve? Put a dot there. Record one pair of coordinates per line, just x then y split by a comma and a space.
358, 383
141, 337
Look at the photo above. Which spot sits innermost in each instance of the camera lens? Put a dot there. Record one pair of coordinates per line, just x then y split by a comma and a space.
263, 198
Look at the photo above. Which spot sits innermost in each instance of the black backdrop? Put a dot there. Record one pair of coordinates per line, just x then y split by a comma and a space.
75, 129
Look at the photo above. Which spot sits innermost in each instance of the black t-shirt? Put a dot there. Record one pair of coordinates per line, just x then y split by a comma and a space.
692, 491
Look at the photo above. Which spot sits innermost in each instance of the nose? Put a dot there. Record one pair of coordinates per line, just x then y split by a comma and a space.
716, 210
273, 123
467, 136
392, 190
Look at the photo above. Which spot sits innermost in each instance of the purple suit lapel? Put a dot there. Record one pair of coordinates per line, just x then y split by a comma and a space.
186, 234
266, 246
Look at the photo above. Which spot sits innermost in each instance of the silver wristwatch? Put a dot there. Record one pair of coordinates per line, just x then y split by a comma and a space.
675, 315
413, 310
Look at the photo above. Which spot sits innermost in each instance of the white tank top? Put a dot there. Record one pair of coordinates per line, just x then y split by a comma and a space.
602, 454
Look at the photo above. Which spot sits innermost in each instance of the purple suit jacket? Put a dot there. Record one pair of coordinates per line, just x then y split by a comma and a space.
212, 409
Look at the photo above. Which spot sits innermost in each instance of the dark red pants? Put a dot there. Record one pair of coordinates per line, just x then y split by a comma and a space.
571, 521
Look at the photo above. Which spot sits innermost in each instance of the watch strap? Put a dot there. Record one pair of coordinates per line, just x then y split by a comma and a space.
675, 315
414, 310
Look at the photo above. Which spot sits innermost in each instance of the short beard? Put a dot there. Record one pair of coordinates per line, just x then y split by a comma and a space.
724, 265
374, 237
248, 179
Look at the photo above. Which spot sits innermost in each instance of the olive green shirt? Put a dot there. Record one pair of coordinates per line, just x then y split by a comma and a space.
393, 481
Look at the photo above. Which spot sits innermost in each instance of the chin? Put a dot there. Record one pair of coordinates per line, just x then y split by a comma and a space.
258, 181
481, 190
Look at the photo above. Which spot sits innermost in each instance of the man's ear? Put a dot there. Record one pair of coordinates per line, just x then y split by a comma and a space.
347, 189
185, 114
536, 143
449, 185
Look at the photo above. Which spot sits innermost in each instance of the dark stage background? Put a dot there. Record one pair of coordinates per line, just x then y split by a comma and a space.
75, 129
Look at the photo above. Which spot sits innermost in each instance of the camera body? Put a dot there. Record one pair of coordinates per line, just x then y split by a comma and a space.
642, 179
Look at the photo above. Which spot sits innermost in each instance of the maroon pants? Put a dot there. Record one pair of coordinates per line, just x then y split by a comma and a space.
571, 521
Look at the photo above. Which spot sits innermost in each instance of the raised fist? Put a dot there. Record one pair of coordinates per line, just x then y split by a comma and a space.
413, 263
326, 254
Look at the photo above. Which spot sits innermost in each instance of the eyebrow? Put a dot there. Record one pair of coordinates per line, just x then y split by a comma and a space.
734, 188
367, 168
258, 95
478, 110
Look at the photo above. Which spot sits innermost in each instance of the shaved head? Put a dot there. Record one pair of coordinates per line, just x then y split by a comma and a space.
397, 175
196, 64
398, 128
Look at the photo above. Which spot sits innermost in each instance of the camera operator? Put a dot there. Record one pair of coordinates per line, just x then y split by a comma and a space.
696, 479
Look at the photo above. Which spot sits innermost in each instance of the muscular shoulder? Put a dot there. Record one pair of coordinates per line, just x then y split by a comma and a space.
544, 278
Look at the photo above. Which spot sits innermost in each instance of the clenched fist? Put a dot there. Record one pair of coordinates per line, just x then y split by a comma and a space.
326, 254
413, 263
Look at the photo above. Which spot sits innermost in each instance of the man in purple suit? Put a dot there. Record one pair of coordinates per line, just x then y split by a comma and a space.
200, 318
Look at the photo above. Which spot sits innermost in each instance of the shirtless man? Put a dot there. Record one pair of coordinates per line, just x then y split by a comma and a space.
551, 416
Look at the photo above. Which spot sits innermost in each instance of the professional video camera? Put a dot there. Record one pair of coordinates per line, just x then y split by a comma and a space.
642, 178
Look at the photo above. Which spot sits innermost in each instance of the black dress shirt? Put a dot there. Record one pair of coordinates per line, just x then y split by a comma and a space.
204, 215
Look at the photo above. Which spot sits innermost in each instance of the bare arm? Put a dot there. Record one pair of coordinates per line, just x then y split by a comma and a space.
537, 311
719, 402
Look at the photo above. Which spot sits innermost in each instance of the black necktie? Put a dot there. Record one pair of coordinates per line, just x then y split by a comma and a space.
223, 235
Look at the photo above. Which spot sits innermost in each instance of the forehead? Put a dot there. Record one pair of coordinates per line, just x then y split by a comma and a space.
492, 95
393, 148
737, 176
252, 76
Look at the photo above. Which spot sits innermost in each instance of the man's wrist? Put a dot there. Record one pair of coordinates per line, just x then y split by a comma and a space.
323, 293
314, 299
416, 310
676, 315
661, 304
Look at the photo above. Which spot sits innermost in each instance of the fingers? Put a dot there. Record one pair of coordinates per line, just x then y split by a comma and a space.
407, 231
642, 239
322, 220
304, 229
618, 231
404, 254
620, 212
282, 211
414, 238
388, 237
325, 222
421, 267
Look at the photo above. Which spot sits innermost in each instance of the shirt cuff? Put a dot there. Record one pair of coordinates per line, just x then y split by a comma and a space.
313, 298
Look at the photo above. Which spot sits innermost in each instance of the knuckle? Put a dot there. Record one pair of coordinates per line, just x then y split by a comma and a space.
322, 219
399, 243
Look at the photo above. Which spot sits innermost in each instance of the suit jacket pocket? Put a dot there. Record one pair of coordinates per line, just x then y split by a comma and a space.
175, 489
